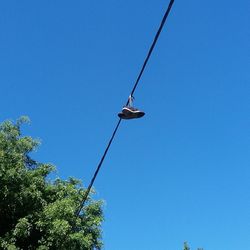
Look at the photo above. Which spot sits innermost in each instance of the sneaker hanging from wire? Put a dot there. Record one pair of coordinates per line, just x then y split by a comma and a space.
129, 112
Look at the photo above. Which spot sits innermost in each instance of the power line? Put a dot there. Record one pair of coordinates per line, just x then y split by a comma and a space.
86, 194
131, 94
152, 46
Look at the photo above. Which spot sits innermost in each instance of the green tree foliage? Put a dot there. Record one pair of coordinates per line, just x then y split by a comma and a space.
186, 247
36, 213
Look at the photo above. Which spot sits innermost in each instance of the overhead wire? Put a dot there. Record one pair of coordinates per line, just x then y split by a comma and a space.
86, 194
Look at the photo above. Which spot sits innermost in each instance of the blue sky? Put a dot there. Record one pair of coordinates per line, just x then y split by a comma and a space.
181, 173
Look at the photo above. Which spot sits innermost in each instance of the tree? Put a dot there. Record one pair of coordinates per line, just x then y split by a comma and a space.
36, 213
186, 247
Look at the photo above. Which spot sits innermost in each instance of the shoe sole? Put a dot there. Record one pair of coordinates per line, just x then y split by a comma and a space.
131, 115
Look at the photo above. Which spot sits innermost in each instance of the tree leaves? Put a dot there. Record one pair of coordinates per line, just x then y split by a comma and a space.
36, 213
186, 247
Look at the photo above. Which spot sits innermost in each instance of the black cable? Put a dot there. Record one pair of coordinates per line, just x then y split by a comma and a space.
132, 92
152, 46
97, 169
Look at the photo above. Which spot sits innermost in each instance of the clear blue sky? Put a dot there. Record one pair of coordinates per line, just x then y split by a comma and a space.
181, 173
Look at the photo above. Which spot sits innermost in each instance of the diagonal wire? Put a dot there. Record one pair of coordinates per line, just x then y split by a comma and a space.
152, 46
86, 194
131, 94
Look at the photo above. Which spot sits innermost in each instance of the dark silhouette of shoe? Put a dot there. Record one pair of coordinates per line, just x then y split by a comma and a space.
130, 113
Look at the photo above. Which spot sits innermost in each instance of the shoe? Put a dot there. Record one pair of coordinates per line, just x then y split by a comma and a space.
130, 113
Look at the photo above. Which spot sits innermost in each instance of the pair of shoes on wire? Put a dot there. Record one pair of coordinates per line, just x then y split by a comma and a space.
129, 112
